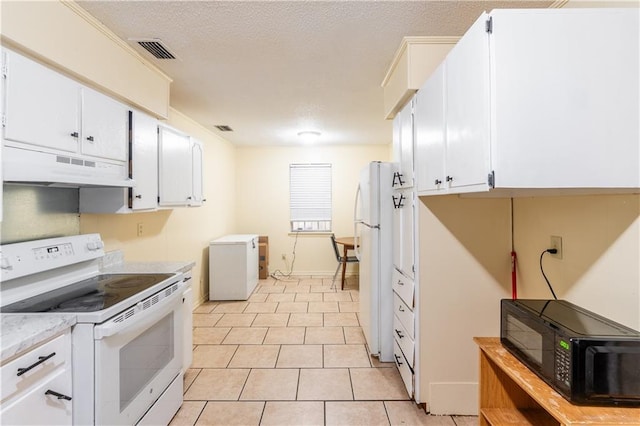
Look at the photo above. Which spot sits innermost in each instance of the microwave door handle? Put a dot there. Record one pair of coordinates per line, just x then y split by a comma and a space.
142, 320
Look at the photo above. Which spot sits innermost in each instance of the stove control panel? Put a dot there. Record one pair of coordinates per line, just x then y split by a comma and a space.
30, 257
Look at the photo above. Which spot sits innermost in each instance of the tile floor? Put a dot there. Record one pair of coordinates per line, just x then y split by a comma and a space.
293, 354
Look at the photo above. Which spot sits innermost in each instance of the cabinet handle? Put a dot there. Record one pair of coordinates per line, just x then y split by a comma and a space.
398, 357
449, 178
188, 198
74, 134
57, 395
399, 333
90, 138
400, 282
438, 182
400, 308
139, 196
41, 359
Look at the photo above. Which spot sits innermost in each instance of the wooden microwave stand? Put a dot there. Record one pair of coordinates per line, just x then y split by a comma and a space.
511, 394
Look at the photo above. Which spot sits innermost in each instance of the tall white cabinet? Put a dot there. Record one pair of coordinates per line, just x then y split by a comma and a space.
406, 313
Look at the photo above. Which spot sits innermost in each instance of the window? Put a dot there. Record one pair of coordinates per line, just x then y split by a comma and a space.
310, 197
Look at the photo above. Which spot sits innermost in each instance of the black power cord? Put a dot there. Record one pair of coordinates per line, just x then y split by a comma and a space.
552, 251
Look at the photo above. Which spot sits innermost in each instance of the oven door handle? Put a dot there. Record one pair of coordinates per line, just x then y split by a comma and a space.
142, 319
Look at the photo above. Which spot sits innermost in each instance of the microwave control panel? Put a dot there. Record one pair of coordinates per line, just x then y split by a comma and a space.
563, 362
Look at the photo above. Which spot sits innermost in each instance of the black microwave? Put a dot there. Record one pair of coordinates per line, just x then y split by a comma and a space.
588, 359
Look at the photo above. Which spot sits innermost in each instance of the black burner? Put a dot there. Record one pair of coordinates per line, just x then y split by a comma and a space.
91, 295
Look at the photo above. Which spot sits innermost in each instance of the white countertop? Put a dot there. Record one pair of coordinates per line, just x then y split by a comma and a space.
19, 332
150, 267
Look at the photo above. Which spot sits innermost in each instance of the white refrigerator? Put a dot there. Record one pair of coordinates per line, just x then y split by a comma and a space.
373, 222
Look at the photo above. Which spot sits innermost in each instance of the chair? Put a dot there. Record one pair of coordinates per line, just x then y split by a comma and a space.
342, 261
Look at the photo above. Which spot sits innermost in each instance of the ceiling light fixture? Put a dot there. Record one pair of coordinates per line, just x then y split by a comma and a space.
309, 136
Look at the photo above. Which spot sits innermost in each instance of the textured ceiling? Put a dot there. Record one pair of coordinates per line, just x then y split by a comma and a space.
270, 69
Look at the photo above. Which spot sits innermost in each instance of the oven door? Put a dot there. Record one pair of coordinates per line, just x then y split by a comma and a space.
137, 356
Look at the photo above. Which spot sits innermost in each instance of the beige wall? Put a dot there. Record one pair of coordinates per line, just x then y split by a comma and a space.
263, 199
600, 268
464, 246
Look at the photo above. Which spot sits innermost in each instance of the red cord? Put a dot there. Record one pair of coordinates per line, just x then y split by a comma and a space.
514, 283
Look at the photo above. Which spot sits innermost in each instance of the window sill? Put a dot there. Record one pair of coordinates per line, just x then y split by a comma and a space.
310, 233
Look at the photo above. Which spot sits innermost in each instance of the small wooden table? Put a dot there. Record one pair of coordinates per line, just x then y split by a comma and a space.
348, 244
511, 394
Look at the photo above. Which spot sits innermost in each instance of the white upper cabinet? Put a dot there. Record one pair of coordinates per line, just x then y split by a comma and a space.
42, 106
144, 171
50, 111
535, 101
104, 126
180, 169
175, 167
403, 146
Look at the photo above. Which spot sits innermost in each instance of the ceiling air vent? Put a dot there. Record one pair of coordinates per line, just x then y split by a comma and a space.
155, 47
223, 128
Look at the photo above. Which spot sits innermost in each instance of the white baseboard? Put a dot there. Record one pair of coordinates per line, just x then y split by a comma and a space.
453, 398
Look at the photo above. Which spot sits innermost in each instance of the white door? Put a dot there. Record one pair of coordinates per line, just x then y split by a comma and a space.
105, 126
145, 161
174, 167
136, 359
430, 133
42, 106
467, 109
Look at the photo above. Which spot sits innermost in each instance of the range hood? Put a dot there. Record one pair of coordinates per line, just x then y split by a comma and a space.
34, 167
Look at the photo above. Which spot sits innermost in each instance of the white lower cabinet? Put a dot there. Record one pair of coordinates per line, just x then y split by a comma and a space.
37, 386
403, 367
552, 106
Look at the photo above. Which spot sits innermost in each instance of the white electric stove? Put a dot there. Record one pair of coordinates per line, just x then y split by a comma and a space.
127, 343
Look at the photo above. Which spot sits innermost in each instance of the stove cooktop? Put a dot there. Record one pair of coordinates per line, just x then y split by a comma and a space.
91, 295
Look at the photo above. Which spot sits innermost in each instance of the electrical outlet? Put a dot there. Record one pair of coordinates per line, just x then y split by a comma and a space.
140, 229
556, 243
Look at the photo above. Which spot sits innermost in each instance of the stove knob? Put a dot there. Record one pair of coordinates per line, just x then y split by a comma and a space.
95, 245
4, 264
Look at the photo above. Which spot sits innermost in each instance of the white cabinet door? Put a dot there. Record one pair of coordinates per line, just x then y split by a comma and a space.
196, 173
175, 175
403, 147
467, 109
42, 106
105, 127
144, 165
430, 133
403, 235
566, 98
406, 140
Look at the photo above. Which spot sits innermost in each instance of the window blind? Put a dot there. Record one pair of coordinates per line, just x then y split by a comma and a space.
310, 197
